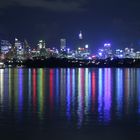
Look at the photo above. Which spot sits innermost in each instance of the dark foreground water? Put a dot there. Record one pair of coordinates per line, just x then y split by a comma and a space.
73, 104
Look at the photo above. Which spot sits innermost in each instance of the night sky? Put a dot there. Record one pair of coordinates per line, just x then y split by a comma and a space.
115, 21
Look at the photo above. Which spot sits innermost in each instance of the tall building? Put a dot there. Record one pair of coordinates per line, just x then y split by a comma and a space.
107, 50
119, 53
138, 55
41, 44
27, 47
63, 44
80, 41
19, 47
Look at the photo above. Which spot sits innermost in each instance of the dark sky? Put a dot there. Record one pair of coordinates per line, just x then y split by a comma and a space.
116, 21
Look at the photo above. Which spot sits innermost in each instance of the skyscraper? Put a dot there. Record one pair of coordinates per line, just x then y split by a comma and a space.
19, 47
63, 44
107, 50
80, 42
41, 44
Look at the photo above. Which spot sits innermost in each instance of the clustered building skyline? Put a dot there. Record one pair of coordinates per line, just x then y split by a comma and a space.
22, 50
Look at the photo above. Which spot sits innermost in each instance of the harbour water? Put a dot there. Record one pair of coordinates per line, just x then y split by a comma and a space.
81, 103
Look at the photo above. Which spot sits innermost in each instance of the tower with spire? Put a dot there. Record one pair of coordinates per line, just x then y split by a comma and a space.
80, 41
80, 35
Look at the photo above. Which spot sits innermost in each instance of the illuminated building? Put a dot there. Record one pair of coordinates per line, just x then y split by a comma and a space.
107, 50
138, 54
41, 44
34, 52
41, 51
27, 47
127, 52
83, 48
101, 54
87, 48
5, 46
119, 53
63, 44
63, 50
83, 53
132, 53
19, 47
80, 41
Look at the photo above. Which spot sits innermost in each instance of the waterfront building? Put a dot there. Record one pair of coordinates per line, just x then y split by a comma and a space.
5, 46
127, 53
100, 54
82, 53
119, 53
107, 50
137, 55
19, 49
132, 53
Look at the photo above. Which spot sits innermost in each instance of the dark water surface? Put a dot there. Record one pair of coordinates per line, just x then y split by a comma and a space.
77, 104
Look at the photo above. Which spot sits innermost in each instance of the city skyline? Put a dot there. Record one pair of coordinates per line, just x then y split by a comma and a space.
74, 45
21, 51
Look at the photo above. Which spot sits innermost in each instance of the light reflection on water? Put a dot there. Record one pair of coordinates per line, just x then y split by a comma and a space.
138, 90
1, 85
107, 96
119, 92
79, 96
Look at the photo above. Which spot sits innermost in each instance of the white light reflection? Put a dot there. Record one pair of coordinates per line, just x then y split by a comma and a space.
1, 85
119, 90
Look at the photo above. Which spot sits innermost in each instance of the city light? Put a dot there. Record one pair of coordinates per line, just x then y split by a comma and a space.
80, 35
107, 45
16, 39
20, 52
86, 46
100, 54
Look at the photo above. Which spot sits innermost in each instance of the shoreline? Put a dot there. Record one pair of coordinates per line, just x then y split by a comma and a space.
73, 63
